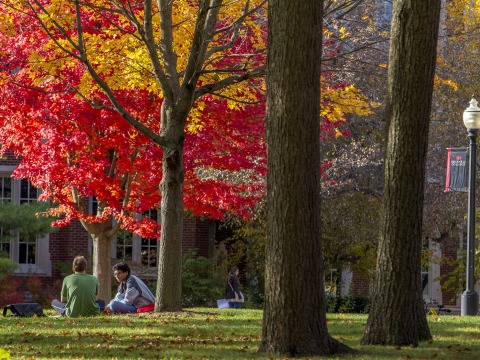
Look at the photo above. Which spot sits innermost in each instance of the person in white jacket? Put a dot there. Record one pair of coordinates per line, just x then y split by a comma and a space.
132, 292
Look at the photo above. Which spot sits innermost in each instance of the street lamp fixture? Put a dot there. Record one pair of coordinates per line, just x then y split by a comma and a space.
471, 119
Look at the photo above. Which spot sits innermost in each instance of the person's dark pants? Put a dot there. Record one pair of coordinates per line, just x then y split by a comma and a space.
235, 305
61, 307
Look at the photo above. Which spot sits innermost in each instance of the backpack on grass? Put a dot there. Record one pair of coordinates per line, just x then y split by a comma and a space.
24, 310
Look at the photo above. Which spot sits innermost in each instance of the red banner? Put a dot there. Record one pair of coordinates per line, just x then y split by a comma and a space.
456, 179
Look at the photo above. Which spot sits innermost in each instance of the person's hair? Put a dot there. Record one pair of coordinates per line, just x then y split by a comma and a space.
233, 271
79, 264
123, 267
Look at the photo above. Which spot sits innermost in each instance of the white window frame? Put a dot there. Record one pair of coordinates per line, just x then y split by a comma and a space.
43, 264
136, 241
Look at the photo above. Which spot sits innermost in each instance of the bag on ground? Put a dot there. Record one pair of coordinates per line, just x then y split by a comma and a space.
24, 310
146, 308
222, 304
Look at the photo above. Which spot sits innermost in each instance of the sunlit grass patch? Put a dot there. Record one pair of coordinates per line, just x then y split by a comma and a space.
204, 333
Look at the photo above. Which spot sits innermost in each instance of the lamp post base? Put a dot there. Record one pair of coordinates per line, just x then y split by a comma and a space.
469, 303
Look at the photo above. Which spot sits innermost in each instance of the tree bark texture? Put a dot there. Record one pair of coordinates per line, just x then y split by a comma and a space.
102, 234
169, 286
397, 315
102, 265
294, 321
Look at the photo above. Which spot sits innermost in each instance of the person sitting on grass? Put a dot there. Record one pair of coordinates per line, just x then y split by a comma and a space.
132, 292
79, 292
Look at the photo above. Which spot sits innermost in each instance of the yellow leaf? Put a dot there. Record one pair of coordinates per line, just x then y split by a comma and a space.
4, 354
342, 32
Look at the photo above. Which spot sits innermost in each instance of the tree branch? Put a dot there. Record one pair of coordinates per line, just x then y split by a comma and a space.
149, 40
206, 20
231, 80
166, 44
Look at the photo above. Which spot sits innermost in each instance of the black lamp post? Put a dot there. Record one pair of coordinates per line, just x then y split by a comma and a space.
471, 119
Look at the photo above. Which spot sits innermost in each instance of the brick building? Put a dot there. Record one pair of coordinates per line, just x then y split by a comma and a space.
48, 255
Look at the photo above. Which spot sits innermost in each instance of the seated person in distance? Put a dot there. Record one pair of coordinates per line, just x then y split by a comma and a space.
132, 292
79, 292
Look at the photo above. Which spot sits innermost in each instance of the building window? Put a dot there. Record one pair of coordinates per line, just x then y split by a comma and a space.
31, 254
5, 196
130, 247
149, 252
5, 189
4, 244
124, 245
26, 251
27, 247
28, 193
93, 206
149, 249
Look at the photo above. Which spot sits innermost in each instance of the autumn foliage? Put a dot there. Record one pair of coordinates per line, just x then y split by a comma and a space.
72, 150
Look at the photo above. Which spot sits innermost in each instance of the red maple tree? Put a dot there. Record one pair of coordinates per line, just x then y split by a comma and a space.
73, 152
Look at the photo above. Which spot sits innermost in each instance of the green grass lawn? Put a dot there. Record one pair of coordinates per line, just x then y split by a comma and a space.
207, 334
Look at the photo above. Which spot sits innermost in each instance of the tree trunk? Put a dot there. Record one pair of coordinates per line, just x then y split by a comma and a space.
294, 321
397, 315
102, 234
169, 286
102, 265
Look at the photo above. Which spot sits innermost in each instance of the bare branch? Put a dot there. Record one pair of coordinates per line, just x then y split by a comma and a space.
237, 100
108, 91
344, 8
231, 80
81, 44
206, 20
129, 14
149, 40
166, 44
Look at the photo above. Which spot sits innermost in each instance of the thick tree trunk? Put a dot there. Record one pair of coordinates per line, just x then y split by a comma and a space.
102, 267
397, 316
294, 321
169, 286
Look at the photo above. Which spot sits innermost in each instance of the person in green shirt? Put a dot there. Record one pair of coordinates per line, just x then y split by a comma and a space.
79, 292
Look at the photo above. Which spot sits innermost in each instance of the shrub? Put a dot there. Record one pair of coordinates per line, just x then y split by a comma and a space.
7, 266
39, 292
332, 303
202, 282
253, 294
348, 304
10, 290
362, 305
